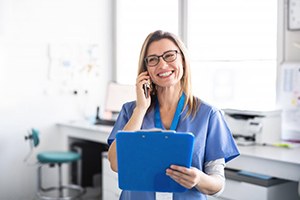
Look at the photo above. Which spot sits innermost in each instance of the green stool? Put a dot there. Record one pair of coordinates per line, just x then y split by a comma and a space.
53, 158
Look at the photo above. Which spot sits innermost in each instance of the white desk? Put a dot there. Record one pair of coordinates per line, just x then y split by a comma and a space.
272, 161
81, 130
84, 130
96, 133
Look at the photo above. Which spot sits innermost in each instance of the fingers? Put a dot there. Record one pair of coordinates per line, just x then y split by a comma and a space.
187, 177
142, 100
142, 78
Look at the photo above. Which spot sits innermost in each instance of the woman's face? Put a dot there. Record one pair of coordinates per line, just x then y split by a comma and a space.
165, 74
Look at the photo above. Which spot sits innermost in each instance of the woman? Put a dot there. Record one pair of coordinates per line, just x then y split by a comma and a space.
164, 65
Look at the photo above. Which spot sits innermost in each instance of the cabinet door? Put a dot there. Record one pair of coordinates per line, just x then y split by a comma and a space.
110, 188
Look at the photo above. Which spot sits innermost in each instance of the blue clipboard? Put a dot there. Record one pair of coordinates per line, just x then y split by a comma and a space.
144, 156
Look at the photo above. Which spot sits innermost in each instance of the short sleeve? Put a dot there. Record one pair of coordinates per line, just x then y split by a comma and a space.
220, 142
121, 121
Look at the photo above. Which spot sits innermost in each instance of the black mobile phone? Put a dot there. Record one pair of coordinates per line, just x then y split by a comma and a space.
146, 90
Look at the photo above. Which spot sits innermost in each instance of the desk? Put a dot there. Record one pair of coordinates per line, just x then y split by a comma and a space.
276, 162
84, 130
272, 161
97, 133
81, 130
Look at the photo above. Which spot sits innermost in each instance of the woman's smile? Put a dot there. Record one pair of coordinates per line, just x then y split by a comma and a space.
165, 74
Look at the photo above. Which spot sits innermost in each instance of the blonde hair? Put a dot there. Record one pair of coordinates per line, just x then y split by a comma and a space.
190, 100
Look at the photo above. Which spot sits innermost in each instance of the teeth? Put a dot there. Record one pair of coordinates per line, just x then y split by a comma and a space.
165, 74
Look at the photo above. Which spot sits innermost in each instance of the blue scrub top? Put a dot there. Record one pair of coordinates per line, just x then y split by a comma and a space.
213, 140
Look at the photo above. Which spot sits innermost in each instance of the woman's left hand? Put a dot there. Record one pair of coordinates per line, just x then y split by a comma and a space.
187, 177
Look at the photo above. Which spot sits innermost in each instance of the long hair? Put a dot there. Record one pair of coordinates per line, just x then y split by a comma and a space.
186, 86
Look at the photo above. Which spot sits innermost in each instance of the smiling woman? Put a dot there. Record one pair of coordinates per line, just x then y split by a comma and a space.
168, 70
171, 105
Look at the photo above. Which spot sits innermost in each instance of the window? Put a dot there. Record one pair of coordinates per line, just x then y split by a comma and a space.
232, 45
135, 19
233, 50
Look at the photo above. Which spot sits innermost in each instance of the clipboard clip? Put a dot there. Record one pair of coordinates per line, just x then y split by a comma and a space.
156, 130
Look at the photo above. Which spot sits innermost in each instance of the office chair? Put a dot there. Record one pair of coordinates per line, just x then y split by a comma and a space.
52, 158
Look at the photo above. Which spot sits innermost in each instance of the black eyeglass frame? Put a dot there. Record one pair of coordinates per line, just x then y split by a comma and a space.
161, 56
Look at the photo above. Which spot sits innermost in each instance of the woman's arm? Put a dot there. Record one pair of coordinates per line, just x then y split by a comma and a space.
134, 123
210, 182
136, 119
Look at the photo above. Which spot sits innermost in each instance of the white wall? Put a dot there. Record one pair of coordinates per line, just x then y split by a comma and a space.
292, 43
28, 98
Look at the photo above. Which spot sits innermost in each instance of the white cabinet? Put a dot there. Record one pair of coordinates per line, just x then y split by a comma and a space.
110, 190
242, 187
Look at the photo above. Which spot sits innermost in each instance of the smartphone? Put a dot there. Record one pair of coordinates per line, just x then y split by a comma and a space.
146, 90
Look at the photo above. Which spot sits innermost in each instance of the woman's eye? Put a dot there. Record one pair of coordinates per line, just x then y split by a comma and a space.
154, 59
169, 56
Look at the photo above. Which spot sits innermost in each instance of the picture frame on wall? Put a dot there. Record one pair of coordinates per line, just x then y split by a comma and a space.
293, 15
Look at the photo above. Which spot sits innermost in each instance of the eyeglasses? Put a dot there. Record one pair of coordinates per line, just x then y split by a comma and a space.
168, 56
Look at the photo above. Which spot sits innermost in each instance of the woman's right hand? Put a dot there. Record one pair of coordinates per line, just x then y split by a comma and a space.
141, 101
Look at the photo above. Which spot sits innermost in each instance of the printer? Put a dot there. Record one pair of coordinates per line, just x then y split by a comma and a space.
254, 127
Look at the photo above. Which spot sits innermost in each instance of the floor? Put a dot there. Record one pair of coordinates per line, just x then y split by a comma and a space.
91, 193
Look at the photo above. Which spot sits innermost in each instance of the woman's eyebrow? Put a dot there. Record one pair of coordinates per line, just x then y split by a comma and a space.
152, 55
162, 53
